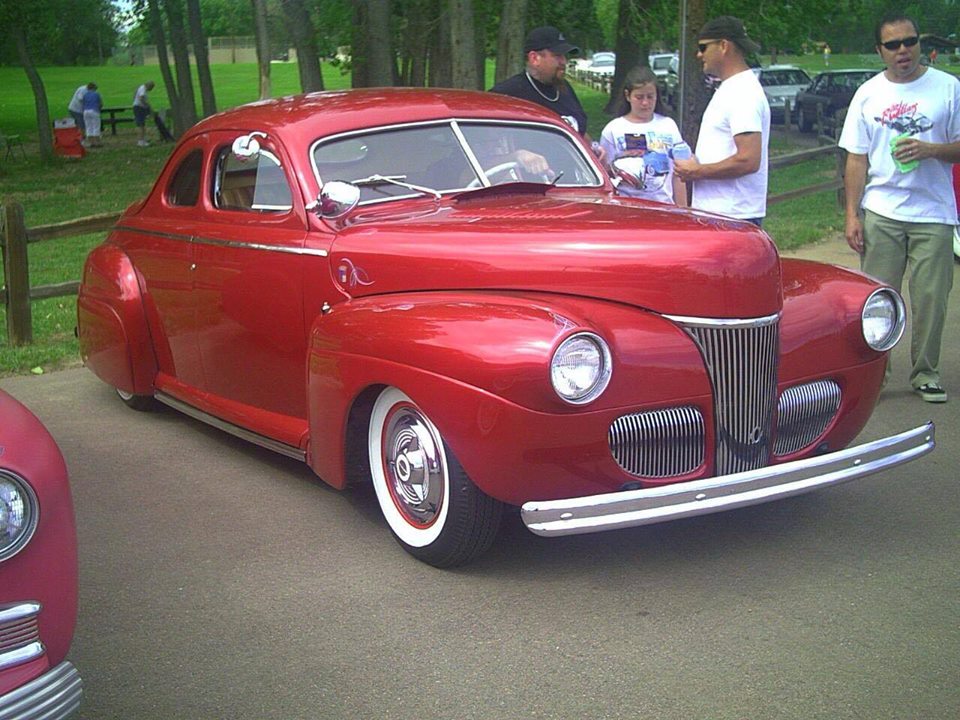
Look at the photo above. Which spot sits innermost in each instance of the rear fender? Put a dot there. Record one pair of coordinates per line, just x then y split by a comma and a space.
112, 327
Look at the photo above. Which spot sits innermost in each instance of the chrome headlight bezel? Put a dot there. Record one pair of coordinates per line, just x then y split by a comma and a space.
884, 308
14, 488
600, 368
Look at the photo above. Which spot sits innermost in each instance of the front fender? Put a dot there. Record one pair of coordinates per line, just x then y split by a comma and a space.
496, 345
112, 327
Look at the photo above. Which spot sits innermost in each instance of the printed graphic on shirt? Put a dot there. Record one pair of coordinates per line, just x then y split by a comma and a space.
571, 121
653, 148
904, 118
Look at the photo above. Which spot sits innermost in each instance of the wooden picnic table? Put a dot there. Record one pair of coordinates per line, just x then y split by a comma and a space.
108, 116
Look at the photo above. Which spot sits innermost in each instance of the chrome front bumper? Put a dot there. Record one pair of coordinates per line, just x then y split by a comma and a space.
629, 508
52, 696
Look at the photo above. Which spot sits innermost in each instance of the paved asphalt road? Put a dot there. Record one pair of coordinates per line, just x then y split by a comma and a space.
222, 581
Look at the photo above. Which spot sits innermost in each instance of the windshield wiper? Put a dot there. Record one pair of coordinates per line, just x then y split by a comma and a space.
378, 179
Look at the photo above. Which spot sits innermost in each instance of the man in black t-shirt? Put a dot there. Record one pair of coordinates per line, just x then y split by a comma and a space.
543, 80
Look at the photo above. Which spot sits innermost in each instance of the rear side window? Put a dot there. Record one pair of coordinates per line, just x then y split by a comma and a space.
184, 187
255, 184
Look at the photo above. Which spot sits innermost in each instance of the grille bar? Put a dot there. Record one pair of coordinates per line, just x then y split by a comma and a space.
741, 361
803, 413
659, 443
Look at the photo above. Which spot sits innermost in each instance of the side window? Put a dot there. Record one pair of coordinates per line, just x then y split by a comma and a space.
256, 184
184, 188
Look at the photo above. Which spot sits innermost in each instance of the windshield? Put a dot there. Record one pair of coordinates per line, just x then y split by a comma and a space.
453, 156
772, 78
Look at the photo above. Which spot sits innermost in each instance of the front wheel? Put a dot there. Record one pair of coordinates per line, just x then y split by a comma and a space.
137, 402
804, 124
432, 507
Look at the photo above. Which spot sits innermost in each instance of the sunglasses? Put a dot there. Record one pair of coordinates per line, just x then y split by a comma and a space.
906, 42
702, 47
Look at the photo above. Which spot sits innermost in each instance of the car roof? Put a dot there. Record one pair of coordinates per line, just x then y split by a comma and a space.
324, 113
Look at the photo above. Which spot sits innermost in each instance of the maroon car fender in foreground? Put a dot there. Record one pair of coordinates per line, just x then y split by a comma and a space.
38, 571
439, 292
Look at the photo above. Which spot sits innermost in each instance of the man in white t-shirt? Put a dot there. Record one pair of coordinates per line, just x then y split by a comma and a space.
75, 108
729, 169
901, 133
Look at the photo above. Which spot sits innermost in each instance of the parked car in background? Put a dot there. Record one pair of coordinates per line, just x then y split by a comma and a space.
782, 83
661, 64
409, 298
38, 571
602, 63
828, 96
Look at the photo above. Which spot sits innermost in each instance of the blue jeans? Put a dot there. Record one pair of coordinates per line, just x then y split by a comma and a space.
78, 119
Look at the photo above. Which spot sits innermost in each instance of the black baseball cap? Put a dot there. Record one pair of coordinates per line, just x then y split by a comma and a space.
727, 27
549, 38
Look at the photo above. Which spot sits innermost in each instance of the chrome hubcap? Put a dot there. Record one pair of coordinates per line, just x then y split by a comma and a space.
414, 465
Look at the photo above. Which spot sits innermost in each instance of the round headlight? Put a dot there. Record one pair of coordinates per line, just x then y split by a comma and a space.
18, 514
883, 319
581, 367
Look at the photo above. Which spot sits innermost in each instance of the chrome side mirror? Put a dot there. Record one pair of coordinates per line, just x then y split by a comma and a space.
247, 146
630, 169
336, 199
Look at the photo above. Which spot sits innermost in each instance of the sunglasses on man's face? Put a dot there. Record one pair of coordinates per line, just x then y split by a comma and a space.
906, 42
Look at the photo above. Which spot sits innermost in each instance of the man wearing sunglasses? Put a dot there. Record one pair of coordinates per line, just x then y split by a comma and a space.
901, 133
729, 170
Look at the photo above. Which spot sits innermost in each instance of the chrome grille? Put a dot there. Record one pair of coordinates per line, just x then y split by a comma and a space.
18, 626
659, 443
741, 361
803, 413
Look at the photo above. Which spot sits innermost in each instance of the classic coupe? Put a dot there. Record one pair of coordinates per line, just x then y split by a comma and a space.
38, 571
439, 292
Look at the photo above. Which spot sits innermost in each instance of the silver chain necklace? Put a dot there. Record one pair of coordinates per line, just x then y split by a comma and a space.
540, 92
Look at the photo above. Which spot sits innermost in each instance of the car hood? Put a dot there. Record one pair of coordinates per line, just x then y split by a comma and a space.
647, 255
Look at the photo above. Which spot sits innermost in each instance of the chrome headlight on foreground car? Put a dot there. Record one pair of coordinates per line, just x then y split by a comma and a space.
18, 514
883, 318
580, 368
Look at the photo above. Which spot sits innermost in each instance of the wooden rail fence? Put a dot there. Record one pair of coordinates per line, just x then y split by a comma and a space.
15, 236
16, 294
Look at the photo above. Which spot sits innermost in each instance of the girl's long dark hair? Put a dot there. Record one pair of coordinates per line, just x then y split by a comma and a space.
637, 76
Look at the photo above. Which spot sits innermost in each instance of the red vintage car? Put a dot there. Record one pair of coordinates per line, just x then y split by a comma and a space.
438, 292
38, 571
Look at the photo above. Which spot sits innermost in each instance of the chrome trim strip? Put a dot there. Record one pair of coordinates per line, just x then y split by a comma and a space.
238, 244
724, 322
54, 695
20, 655
235, 430
610, 511
12, 613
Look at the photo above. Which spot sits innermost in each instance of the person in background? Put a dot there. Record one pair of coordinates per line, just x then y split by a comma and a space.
901, 134
92, 105
141, 111
729, 169
643, 133
543, 80
826, 54
75, 107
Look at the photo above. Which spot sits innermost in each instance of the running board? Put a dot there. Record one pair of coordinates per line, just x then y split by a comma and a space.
235, 430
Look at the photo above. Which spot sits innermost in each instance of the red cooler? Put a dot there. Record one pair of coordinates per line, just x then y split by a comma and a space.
67, 139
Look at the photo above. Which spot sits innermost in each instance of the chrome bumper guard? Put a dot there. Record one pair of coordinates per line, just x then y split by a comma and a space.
629, 508
52, 696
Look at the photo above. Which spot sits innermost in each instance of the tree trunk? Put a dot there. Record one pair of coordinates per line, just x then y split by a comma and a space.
463, 44
630, 52
440, 59
263, 45
39, 94
510, 59
181, 56
420, 26
381, 66
173, 95
199, 40
303, 37
692, 87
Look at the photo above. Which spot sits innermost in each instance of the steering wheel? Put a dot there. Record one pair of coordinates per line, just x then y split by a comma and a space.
495, 170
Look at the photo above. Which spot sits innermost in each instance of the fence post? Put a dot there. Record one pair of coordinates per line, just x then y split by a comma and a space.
841, 171
16, 275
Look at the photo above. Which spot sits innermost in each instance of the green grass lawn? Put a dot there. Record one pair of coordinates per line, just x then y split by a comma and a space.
108, 179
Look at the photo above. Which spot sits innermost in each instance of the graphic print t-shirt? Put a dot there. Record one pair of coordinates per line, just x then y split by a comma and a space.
651, 141
927, 109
